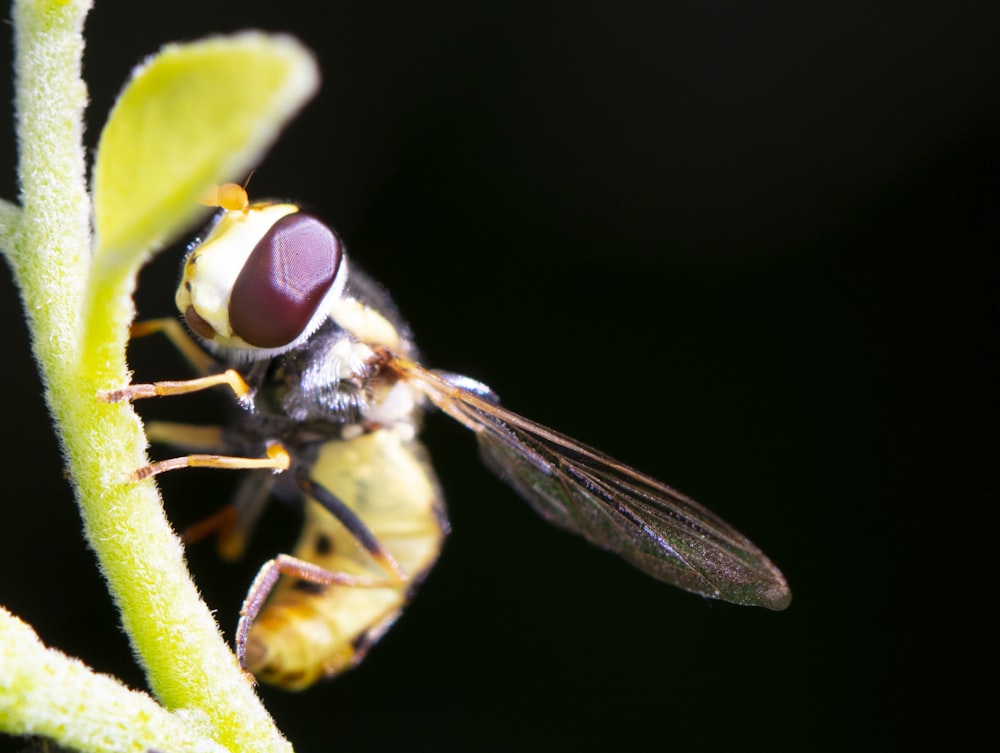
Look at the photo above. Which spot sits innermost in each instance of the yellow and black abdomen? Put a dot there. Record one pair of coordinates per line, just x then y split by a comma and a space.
308, 631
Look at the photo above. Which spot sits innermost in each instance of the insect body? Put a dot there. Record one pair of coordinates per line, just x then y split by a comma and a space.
333, 388
313, 630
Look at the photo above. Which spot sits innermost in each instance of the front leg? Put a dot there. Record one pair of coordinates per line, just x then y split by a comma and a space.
201, 361
230, 378
188, 347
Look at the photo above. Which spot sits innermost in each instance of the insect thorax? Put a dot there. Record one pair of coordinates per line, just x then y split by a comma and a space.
333, 385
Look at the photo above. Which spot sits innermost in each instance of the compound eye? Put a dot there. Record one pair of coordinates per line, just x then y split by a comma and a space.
284, 280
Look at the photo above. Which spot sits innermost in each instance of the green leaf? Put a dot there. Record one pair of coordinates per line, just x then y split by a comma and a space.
193, 115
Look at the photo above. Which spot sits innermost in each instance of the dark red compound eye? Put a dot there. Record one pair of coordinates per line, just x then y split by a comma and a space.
284, 281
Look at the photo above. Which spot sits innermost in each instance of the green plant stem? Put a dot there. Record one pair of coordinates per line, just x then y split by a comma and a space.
10, 225
79, 341
44, 692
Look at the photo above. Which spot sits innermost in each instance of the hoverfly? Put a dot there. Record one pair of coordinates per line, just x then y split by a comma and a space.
329, 377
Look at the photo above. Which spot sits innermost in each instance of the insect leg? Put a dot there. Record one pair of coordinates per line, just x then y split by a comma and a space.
171, 328
220, 523
233, 524
236, 522
354, 524
277, 459
285, 564
188, 436
229, 377
268, 575
202, 363
204, 437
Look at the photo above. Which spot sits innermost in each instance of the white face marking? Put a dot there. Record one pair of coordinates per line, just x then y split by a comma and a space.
211, 270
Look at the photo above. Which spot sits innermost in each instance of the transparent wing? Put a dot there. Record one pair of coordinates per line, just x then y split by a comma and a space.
656, 528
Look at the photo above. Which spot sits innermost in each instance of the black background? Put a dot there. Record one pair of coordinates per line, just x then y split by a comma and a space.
748, 249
